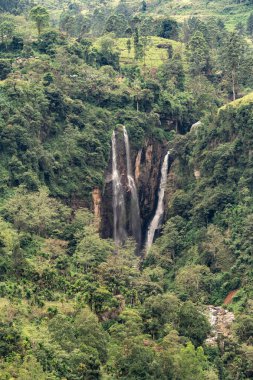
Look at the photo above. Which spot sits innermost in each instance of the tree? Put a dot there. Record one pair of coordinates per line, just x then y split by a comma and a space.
172, 72
23, 368
144, 6
10, 339
14, 6
198, 54
7, 28
194, 281
5, 68
240, 28
108, 53
159, 311
169, 29
129, 46
145, 41
215, 252
244, 327
192, 363
136, 361
233, 59
116, 24
250, 24
40, 16
138, 46
83, 345
92, 250
36, 212
193, 324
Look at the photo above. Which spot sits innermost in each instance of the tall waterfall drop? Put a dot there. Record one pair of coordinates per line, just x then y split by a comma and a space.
119, 209
135, 220
157, 219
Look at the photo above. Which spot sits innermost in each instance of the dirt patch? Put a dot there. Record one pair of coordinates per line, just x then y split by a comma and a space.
230, 296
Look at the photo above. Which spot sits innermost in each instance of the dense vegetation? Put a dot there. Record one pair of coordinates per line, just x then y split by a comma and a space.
70, 72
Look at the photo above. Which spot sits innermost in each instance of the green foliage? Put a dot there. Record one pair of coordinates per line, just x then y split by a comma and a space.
198, 54
14, 6
193, 324
244, 327
117, 24
5, 69
10, 339
160, 311
192, 363
7, 28
70, 307
234, 60
36, 212
169, 29
40, 16
250, 24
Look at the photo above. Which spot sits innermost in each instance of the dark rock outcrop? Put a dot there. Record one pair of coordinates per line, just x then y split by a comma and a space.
146, 165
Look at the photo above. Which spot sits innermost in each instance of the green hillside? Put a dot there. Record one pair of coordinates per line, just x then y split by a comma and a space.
126, 190
230, 12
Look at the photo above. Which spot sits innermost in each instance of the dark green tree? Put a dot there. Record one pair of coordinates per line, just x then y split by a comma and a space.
250, 24
144, 6
5, 68
233, 60
129, 46
169, 29
198, 54
116, 24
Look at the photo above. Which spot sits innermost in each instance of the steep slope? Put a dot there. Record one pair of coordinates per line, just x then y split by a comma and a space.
210, 201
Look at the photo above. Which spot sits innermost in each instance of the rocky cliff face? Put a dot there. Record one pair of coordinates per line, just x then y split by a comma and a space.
146, 165
149, 178
97, 199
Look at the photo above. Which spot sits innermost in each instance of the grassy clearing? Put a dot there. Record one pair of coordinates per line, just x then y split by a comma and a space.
245, 100
154, 56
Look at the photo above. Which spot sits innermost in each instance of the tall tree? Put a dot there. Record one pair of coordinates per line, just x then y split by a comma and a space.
144, 6
198, 54
138, 46
233, 60
129, 46
40, 16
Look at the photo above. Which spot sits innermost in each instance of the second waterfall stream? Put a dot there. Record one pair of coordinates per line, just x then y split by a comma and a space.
157, 219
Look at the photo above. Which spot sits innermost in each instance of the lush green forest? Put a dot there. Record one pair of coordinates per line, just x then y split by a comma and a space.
76, 303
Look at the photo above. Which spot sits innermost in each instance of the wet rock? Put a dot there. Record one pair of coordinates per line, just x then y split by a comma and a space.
138, 166
97, 199
146, 164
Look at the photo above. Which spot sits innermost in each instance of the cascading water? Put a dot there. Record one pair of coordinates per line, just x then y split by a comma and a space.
119, 209
135, 220
157, 219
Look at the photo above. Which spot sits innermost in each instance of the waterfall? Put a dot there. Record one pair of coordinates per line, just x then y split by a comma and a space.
135, 220
157, 219
119, 209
